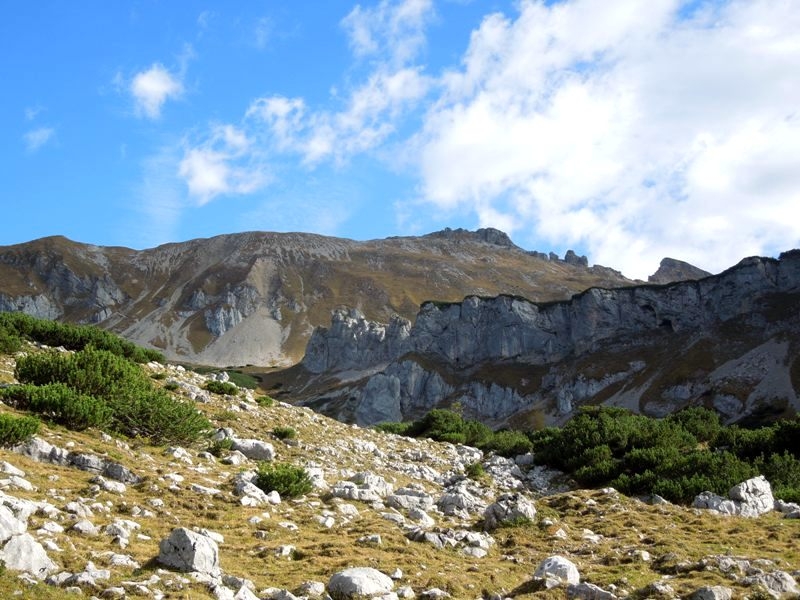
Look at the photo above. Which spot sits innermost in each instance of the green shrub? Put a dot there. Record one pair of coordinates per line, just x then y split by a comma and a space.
158, 375
60, 404
220, 447
284, 433
14, 430
436, 424
74, 337
475, 471
289, 481
509, 443
9, 342
265, 401
171, 386
453, 437
702, 423
243, 380
477, 434
136, 407
394, 427
222, 387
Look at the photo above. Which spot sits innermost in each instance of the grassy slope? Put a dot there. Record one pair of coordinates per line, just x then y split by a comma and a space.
625, 524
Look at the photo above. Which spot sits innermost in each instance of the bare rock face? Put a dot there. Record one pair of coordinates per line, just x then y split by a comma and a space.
23, 553
508, 508
750, 498
501, 356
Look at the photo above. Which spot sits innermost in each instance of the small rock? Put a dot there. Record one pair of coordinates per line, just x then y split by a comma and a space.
716, 592
555, 570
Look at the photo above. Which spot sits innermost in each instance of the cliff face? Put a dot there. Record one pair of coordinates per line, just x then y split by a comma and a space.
652, 348
254, 298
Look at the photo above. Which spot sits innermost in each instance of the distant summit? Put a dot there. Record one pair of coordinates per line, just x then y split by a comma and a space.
672, 270
488, 235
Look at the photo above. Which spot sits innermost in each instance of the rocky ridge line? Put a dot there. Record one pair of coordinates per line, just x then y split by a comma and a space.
386, 368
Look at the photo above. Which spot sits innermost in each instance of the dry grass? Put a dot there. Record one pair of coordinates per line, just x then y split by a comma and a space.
249, 550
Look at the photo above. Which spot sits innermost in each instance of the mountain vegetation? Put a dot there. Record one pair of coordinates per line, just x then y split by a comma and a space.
96, 513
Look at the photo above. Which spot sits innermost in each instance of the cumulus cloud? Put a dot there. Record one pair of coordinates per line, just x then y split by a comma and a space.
634, 129
152, 88
221, 164
366, 122
36, 138
391, 33
277, 125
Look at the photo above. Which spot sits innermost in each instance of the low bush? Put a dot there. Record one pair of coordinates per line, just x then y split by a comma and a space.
677, 457
475, 471
9, 342
60, 404
289, 481
284, 433
15, 430
135, 406
394, 427
265, 401
73, 337
222, 387
220, 447
447, 426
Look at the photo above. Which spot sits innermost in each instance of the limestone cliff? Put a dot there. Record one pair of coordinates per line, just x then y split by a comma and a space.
652, 348
254, 298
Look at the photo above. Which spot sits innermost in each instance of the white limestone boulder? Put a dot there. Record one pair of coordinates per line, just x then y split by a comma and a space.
254, 449
186, 550
556, 570
23, 553
359, 582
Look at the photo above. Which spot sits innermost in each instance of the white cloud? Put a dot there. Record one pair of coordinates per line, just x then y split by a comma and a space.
625, 128
393, 30
220, 165
153, 87
36, 138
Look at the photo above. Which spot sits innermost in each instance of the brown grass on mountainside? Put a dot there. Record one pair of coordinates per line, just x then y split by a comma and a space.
605, 533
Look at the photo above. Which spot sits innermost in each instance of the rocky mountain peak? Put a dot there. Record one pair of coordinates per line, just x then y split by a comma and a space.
487, 235
672, 269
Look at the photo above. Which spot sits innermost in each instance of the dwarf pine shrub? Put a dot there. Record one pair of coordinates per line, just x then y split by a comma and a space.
222, 387
14, 429
60, 404
73, 337
284, 433
286, 479
135, 407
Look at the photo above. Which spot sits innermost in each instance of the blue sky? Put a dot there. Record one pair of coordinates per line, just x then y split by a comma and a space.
626, 130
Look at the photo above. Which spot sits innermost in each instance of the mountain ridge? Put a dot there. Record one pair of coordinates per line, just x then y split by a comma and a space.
255, 297
653, 348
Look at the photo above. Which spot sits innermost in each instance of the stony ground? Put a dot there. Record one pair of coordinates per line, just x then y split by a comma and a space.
401, 506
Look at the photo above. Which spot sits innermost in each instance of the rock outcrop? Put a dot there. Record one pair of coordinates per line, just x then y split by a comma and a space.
671, 270
503, 356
